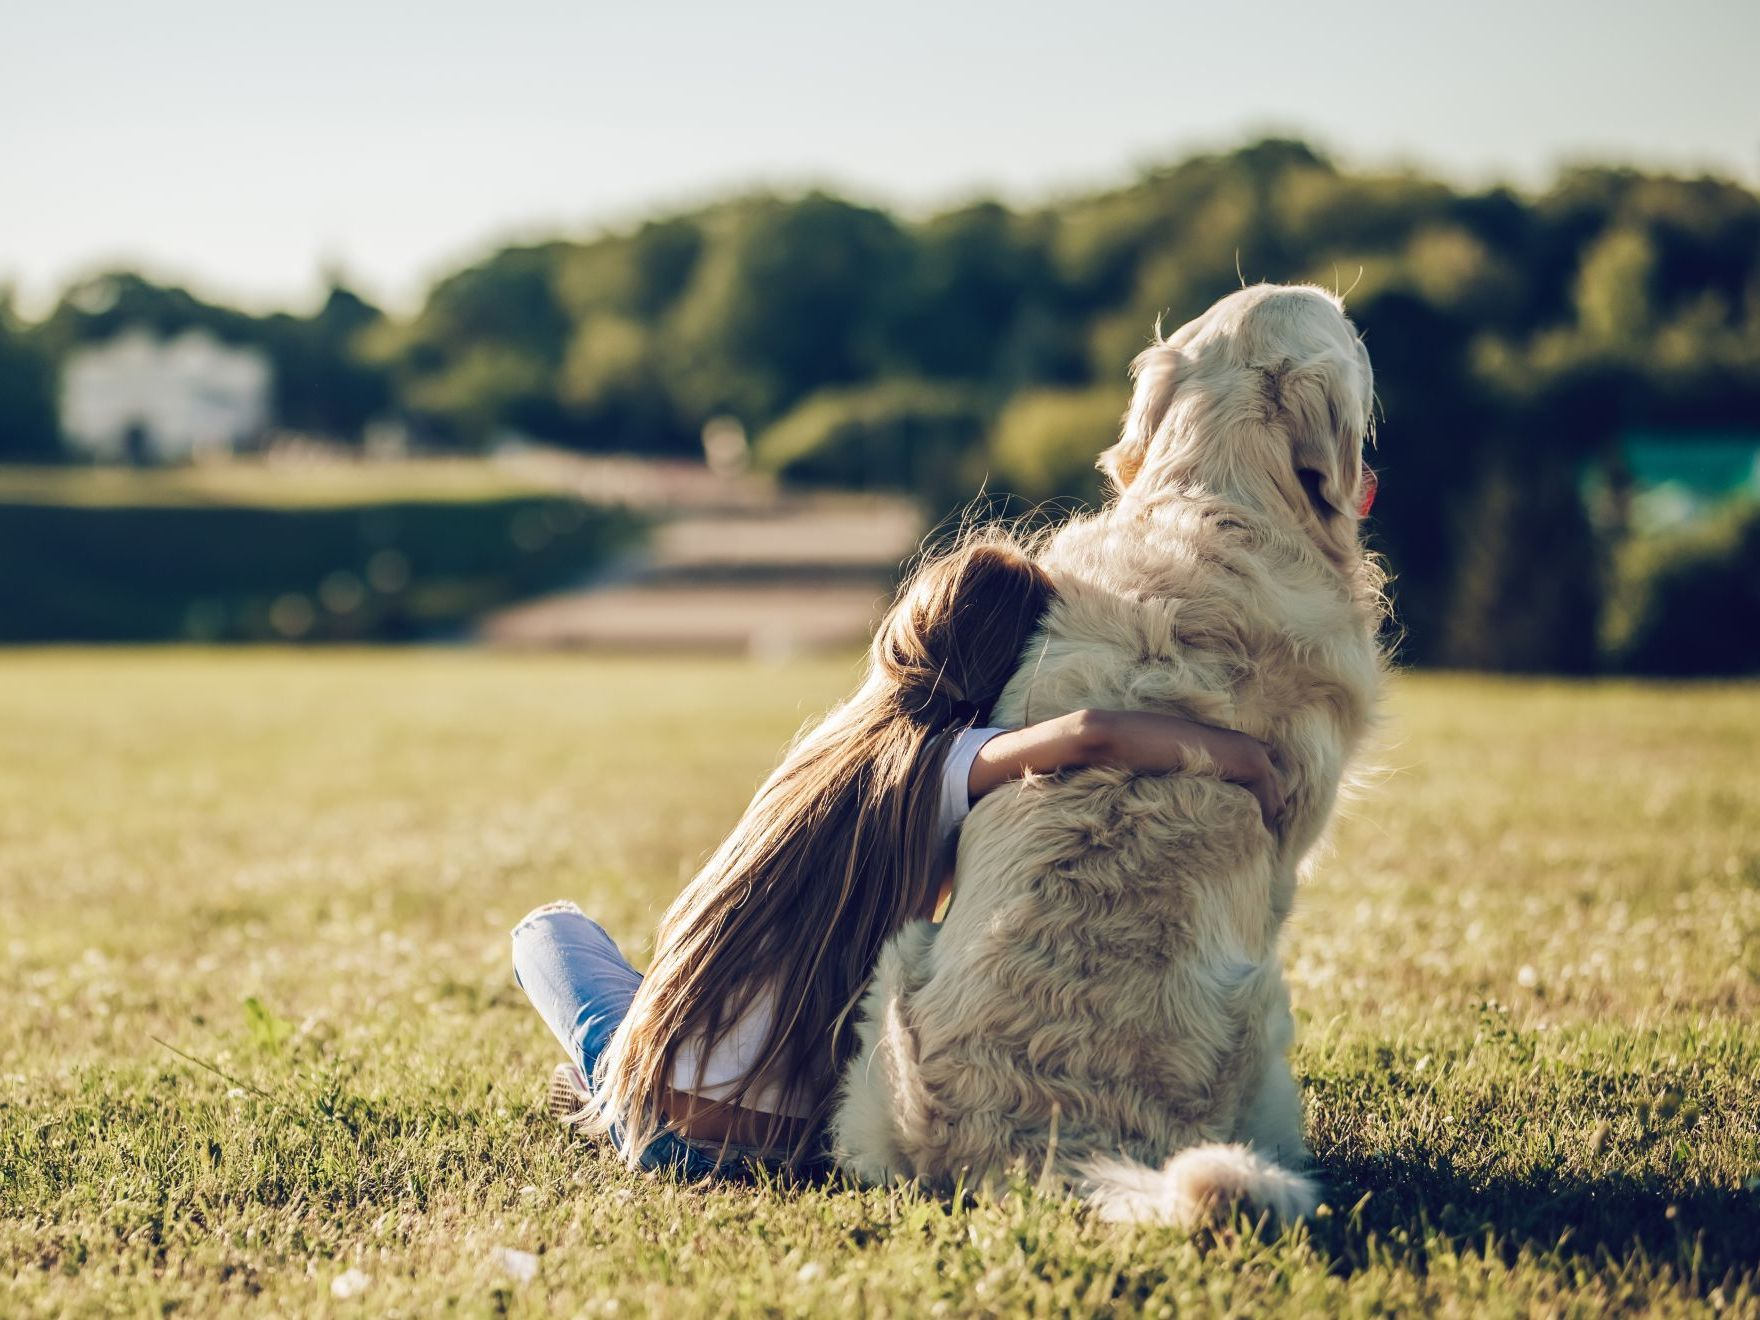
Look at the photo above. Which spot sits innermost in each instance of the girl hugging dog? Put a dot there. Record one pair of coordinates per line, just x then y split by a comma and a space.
728, 1052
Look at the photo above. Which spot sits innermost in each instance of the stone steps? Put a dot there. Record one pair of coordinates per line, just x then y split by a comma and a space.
770, 577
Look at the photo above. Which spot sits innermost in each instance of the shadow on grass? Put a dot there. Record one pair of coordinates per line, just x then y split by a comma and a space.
1400, 1212
1704, 1232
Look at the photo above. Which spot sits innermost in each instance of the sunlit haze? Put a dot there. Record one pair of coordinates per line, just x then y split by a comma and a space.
245, 149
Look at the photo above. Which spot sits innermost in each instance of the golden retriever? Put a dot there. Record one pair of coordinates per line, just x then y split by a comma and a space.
1105, 999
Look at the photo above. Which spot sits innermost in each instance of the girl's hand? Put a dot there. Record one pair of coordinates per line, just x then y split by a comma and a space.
1160, 744
1147, 743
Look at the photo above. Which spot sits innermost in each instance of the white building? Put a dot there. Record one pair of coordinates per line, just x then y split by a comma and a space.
163, 400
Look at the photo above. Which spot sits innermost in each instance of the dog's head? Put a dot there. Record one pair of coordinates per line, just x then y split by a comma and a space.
1265, 400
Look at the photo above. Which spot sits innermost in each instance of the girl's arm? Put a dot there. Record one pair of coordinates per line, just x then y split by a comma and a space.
1148, 743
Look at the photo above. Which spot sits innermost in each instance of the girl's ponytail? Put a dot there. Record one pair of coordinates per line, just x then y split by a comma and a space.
956, 632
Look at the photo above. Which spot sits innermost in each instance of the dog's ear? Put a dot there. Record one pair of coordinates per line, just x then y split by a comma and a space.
1327, 430
1327, 473
1155, 372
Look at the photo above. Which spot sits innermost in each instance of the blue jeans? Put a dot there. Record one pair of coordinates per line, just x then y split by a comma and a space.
582, 986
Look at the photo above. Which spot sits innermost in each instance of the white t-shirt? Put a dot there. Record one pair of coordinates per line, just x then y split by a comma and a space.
737, 1050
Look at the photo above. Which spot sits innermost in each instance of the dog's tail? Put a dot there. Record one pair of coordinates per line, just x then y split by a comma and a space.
1199, 1187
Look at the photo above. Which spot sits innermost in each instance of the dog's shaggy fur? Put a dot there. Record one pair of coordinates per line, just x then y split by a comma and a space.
1104, 1000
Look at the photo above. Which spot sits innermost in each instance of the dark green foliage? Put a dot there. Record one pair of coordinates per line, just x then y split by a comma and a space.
483, 355
901, 435
323, 384
981, 302
510, 300
28, 428
229, 572
1044, 444
1526, 583
615, 382
1688, 602
796, 296
107, 305
641, 276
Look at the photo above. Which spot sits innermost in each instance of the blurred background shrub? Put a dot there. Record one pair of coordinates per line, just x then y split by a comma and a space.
1043, 444
1688, 601
96, 556
900, 434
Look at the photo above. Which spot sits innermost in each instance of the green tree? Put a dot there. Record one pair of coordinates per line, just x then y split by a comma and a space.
639, 276
898, 435
791, 297
484, 352
1044, 444
324, 380
979, 302
1613, 289
29, 431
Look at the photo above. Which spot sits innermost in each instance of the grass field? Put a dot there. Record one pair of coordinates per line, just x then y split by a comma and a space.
1528, 983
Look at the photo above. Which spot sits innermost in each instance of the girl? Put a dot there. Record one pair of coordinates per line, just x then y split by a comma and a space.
731, 1046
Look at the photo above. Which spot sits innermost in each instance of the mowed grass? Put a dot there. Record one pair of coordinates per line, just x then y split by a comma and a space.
1527, 978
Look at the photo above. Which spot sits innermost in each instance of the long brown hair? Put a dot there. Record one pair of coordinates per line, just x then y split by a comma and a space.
836, 851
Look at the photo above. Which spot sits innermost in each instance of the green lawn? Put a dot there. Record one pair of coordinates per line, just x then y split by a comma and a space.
1528, 981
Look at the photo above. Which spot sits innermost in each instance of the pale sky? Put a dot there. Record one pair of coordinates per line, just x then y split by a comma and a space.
241, 147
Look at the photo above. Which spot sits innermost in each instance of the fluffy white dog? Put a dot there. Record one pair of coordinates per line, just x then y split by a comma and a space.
1104, 1000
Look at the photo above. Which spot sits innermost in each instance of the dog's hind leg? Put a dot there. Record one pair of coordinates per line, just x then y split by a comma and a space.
883, 1116
1270, 1118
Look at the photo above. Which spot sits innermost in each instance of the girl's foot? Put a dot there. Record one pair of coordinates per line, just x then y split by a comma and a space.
569, 1099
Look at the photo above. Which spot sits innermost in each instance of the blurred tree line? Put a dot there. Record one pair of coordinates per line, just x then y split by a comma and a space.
1515, 338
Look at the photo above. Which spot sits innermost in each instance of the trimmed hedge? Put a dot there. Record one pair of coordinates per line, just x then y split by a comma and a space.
345, 572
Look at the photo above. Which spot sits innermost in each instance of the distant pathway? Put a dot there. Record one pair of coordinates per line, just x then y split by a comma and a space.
732, 566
